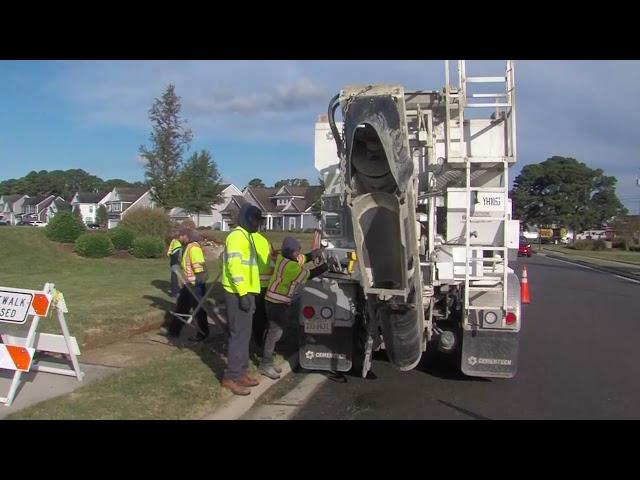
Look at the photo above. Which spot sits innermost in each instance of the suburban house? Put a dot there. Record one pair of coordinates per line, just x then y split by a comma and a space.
37, 208
211, 217
11, 208
58, 205
285, 208
88, 204
123, 200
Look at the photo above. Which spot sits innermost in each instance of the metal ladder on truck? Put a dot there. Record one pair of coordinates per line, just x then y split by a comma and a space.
488, 280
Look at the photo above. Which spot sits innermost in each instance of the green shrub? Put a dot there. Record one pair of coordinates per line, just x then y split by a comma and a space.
589, 245
64, 227
121, 237
147, 221
634, 248
148, 246
94, 245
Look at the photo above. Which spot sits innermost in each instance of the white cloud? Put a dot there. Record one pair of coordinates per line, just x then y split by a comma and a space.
585, 109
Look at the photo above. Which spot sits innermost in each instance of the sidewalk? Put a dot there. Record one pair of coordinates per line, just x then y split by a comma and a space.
144, 377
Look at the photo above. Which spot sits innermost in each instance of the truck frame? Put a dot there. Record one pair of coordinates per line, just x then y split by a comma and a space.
416, 227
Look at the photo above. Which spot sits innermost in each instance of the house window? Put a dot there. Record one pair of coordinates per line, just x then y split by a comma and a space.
90, 208
292, 223
282, 201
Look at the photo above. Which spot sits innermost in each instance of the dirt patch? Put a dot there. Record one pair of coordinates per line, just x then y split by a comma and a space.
122, 255
140, 324
67, 247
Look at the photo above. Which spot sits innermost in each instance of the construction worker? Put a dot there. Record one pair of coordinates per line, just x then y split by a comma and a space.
241, 283
289, 272
192, 264
266, 261
174, 251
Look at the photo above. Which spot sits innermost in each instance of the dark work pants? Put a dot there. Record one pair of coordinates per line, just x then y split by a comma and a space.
259, 324
239, 324
277, 318
174, 260
186, 303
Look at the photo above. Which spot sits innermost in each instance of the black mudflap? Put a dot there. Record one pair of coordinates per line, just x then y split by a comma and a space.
327, 352
489, 354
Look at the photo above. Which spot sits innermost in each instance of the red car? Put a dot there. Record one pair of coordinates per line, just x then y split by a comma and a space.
524, 248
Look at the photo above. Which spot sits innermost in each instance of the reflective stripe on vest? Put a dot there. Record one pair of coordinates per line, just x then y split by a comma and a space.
174, 247
240, 273
187, 265
287, 276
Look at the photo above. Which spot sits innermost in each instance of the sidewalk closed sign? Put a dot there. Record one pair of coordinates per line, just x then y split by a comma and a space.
17, 304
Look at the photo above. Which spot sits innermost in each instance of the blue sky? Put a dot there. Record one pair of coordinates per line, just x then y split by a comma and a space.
257, 117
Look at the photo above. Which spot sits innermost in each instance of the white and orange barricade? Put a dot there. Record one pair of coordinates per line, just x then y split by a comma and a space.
20, 314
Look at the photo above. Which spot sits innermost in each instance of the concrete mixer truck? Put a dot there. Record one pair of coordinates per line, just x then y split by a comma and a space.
416, 227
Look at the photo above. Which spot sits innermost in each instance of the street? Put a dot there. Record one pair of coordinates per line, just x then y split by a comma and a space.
579, 359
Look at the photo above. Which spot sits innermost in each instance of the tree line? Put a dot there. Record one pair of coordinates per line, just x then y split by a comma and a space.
63, 183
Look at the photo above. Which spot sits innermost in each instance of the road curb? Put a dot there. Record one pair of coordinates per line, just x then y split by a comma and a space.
236, 406
599, 268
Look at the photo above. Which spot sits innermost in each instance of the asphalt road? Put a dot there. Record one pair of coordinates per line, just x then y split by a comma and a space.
579, 359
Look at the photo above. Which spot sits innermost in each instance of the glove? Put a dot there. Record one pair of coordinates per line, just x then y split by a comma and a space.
245, 304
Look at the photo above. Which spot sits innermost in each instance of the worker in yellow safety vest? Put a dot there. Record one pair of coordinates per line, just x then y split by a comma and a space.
241, 283
192, 264
174, 251
289, 273
266, 261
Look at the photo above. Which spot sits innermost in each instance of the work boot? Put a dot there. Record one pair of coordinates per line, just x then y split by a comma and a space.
248, 381
269, 371
275, 367
235, 387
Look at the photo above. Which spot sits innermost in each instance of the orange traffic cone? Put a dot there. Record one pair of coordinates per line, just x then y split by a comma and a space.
524, 287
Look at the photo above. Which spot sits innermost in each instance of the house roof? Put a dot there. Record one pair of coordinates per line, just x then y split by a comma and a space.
131, 194
38, 199
11, 198
234, 204
266, 197
62, 204
262, 196
90, 197
292, 191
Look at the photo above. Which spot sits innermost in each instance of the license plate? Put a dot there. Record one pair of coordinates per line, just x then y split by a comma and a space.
317, 326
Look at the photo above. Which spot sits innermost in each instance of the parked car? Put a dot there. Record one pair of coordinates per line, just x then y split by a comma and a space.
37, 223
3, 222
524, 248
93, 226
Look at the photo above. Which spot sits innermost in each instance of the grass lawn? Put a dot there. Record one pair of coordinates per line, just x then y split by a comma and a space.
614, 255
178, 386
108, 298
